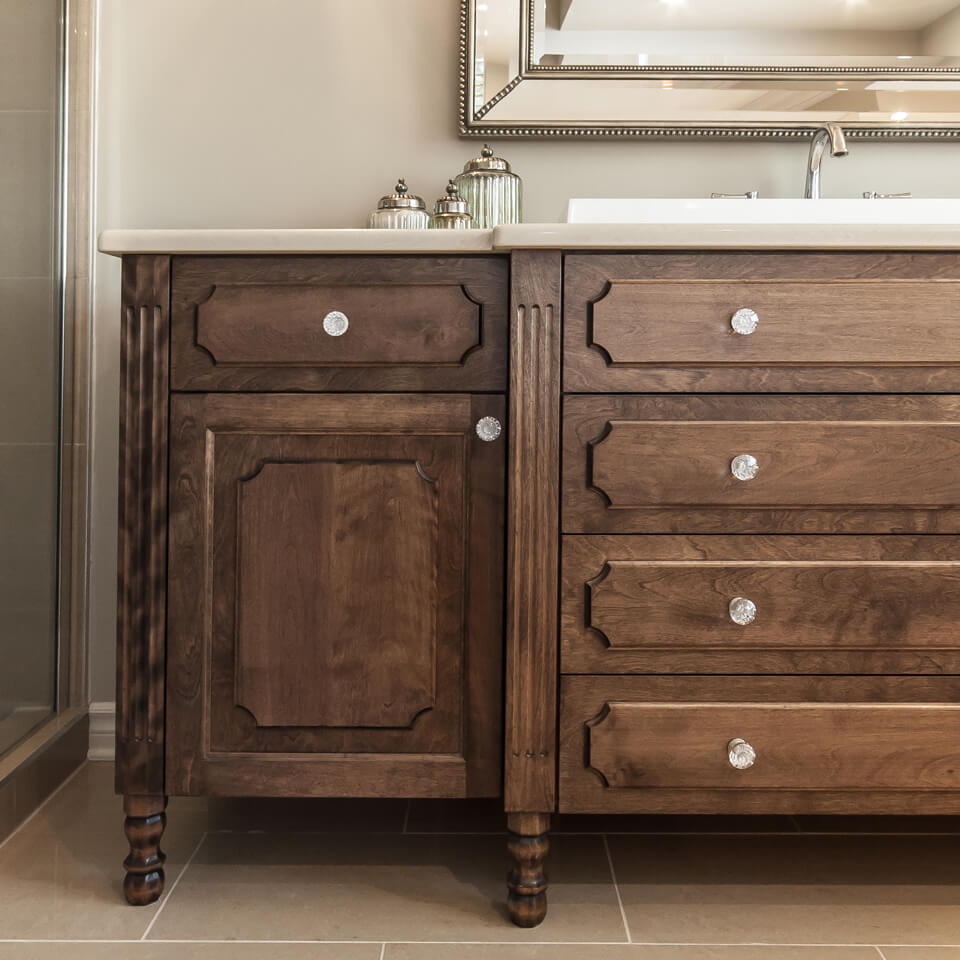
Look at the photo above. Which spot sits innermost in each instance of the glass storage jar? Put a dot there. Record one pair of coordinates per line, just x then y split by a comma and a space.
400, 211
451, 211
492, 192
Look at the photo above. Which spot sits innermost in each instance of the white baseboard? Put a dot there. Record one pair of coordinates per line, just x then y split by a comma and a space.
103, 721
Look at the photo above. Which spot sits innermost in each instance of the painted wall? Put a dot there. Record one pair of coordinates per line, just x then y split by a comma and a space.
301, 113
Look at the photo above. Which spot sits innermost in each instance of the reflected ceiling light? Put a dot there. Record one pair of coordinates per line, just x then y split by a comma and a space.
899, 115
904, 56
673, 3
667, 84
482, 7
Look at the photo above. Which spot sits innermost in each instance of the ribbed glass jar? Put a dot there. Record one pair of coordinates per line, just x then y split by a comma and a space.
399, 220
451, 212
400, 210
494, 195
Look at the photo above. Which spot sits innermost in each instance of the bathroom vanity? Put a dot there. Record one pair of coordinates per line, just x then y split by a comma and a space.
596, 519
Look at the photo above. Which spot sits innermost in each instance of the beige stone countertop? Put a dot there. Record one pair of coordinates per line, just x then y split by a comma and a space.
118, 242
726, 236
568, 236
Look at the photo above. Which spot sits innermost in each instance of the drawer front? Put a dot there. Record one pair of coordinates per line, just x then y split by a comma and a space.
749, 464
760, 605
767, 323
626, 741
339, 323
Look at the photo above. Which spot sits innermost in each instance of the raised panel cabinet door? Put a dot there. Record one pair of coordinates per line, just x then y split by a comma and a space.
335, 622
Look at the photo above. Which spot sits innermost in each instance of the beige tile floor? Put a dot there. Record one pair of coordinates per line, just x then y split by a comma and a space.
390, 880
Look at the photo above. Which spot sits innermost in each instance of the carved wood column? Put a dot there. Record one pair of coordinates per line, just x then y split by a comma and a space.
532, 574
141, 561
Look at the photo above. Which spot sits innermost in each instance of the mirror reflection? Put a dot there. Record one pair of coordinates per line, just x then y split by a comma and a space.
754, 33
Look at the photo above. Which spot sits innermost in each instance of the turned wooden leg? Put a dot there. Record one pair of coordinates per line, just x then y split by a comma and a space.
143, 826
527, 882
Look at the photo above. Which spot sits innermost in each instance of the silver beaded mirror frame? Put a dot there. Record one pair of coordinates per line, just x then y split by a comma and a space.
706, 72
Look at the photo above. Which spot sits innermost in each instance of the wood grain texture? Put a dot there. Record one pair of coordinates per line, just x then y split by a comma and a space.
532, 533
799, 746
858, 322
359, 662
338, 589
660, 604
416, 323
840, 464
141, 556
282, 325
833, 744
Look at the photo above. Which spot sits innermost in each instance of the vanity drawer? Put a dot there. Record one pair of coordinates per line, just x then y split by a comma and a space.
783, 604
861, 322
708, 464
339, 323
805, 744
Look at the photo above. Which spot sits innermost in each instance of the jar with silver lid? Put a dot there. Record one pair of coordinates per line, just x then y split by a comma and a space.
451, 211
492, 192
400, 211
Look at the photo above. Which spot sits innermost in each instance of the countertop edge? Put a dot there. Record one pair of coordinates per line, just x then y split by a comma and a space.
534, 236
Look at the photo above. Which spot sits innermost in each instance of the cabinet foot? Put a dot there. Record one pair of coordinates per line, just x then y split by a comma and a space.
527, 882
144, 824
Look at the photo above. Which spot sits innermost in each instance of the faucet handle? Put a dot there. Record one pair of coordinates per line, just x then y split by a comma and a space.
749, 195
873, 195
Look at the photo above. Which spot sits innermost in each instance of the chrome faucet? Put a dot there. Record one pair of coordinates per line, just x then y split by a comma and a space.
829, 133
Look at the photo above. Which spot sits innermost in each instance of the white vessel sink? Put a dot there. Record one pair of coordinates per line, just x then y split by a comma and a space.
911, 211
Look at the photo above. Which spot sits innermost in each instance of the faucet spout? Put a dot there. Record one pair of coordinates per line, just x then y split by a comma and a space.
829, 133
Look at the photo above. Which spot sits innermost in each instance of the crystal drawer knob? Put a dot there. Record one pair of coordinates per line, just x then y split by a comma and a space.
744, 321
741, 755
744, 467
336, 323
488, 428
742, 611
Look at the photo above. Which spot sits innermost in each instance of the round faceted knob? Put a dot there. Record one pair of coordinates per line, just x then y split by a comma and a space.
335, 323
488, 428
744, 321
741, 755
744, 467
742, 611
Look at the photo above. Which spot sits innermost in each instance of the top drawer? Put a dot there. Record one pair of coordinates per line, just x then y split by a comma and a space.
818, 322
339, 323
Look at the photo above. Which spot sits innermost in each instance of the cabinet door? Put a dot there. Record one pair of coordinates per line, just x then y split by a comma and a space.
335, 621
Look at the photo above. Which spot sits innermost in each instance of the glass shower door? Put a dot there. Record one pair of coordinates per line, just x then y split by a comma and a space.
31, 69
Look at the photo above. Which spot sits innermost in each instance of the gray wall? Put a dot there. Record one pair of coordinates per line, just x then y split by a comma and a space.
301, 113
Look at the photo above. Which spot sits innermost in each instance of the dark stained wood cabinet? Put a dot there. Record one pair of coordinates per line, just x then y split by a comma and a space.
313, 457
599, 532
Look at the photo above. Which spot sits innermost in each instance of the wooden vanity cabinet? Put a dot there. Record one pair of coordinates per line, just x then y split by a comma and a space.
313, 456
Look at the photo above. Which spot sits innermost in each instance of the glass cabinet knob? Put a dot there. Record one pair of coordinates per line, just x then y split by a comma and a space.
488, 428
336, 323
744, 467
742, 611
744, 321
741, 755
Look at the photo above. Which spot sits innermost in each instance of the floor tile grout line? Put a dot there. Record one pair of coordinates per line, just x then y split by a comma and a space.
169, 893
42, 805
616, 888
588, 833
494, 943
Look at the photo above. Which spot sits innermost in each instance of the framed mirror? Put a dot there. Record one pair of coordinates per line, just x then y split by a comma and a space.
884, 69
